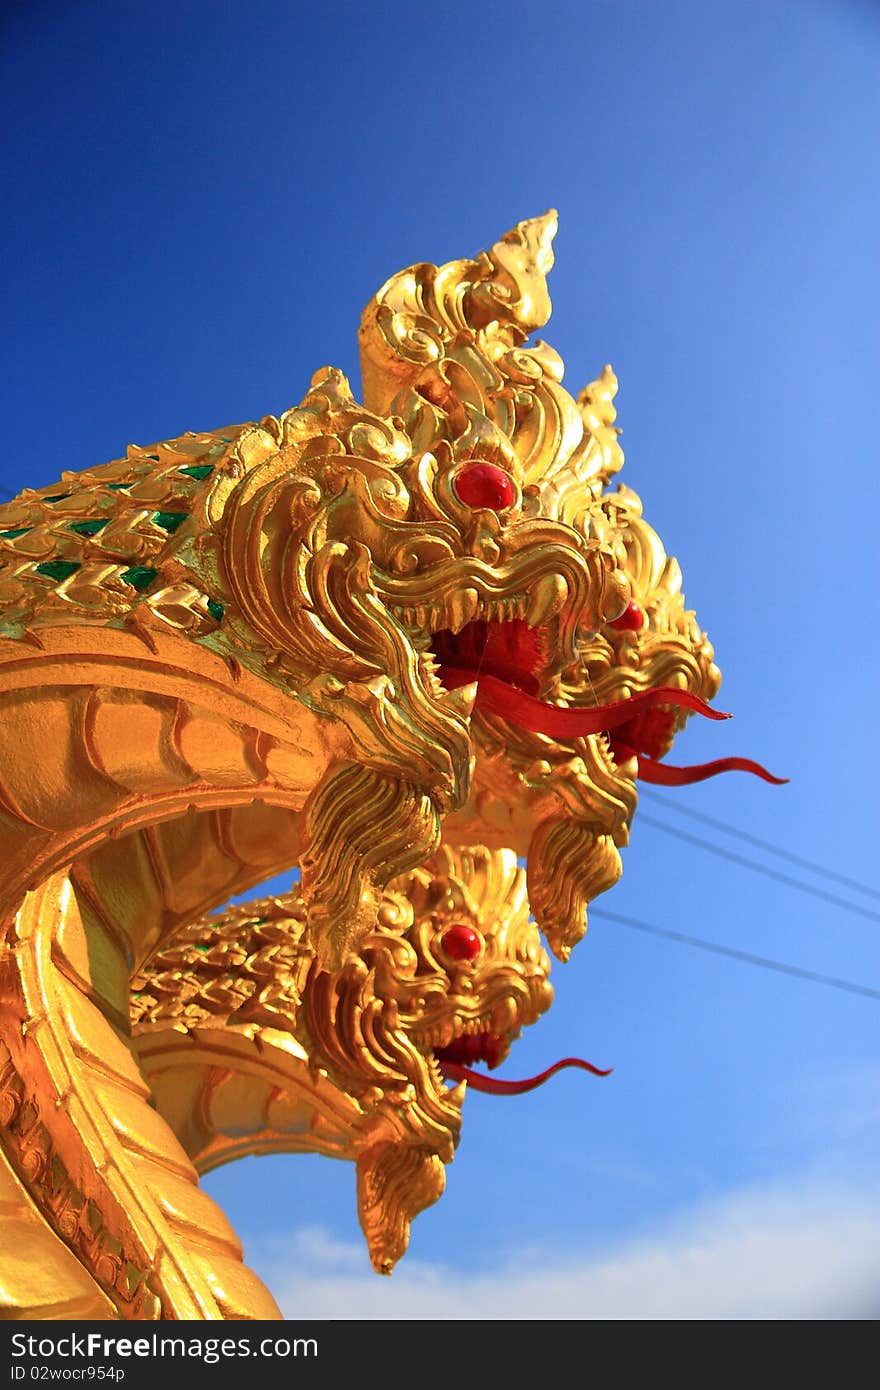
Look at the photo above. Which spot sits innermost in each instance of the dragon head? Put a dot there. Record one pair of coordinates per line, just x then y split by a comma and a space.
447, 979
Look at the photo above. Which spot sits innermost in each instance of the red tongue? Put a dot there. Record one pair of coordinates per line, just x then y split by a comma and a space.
662, 775
497, 697
494, 1086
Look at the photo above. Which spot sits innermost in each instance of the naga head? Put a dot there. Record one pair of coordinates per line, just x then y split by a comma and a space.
447, 981
450, 975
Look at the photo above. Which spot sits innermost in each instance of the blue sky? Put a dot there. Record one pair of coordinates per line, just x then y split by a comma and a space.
200, 199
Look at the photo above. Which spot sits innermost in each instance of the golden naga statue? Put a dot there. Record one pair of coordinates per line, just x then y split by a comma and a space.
327, 640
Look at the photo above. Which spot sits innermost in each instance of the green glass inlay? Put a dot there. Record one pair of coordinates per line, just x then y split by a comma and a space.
169, 521
89, 528
216, 609
16, 531
154, 457
226, 438
198, 470
58, 569
258, 921
57, 497
201, 946
117, 487
139, 576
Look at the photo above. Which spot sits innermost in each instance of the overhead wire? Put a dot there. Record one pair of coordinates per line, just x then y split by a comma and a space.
767, 845
748, 957
779, 877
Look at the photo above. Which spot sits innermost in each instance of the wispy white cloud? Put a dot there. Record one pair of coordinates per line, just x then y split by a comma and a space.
810, 1251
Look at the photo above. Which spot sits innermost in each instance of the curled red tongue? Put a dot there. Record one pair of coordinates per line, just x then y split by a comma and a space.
494, 1086
662, 775
497, 697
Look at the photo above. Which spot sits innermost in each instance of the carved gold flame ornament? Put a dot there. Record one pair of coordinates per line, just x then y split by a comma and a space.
398, 644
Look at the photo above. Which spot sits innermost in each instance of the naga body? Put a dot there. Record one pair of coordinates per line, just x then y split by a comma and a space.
332, 640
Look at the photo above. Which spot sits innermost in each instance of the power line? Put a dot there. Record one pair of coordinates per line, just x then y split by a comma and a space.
735, 858
729, 829
746, 956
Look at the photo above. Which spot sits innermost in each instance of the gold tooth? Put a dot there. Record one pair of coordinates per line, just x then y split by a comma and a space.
461, 700
546, 598
461, 609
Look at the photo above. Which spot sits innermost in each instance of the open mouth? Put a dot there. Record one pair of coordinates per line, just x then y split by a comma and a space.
457, 1061
649, 734
478, 1044
509, 651
472, 1048
509, 659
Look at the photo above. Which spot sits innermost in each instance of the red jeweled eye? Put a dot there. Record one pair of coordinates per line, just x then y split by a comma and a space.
461, 942
485, 485
631, 619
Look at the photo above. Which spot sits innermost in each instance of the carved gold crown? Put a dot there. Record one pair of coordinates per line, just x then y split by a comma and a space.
443, 348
